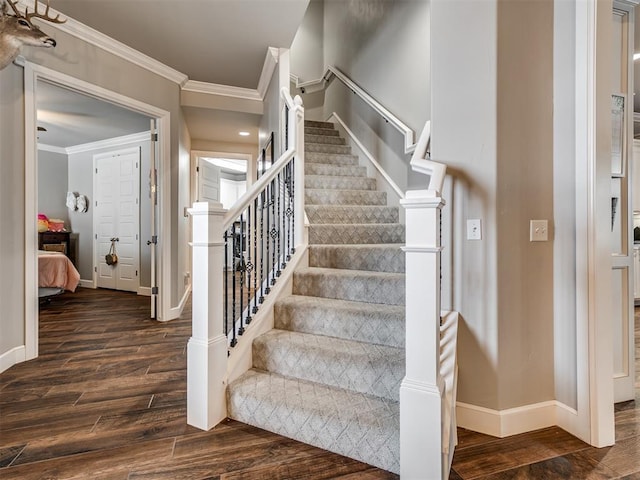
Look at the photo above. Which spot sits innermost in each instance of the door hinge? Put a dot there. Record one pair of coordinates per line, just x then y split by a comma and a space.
95, 269
197, 169
136, 273
96, 235
154, 290
154, 137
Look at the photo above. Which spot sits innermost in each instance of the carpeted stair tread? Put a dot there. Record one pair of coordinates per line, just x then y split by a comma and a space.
319, 124
331, 170
375, 257
354, 234
359, 366
370, 214
323, 139
326, 148
360, 321
337, 159
330, 132
339, 183
353, 424
355, 285
321, 196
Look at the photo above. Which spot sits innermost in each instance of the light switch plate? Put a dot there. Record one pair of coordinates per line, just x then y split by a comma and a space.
474, 229
538, 231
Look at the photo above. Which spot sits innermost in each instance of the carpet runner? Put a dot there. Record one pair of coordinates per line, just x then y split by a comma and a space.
329, 373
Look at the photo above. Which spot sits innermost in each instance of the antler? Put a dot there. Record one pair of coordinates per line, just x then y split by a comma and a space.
36, 14
13, 7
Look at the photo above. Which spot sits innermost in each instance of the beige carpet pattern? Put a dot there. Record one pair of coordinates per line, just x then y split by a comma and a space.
329, 373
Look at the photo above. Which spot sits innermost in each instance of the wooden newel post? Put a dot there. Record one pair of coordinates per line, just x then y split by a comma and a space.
207, 347
422, 389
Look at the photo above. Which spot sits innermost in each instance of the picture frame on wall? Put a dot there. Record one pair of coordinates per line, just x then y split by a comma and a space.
618, 134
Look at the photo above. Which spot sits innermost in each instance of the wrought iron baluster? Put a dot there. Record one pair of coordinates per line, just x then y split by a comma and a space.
293, 196
262, 207
249, 266
273, 233
225, 300
268, 256
255, 255
234, 340
278, 222
289, 210
241, 269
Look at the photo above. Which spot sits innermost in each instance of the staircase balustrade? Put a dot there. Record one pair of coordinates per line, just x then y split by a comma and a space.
427, 393
238, 256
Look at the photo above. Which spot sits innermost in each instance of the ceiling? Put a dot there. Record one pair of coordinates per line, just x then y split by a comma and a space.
72, 119
215, 41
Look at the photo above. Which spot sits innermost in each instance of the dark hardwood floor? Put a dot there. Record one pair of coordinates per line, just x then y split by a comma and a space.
106, 399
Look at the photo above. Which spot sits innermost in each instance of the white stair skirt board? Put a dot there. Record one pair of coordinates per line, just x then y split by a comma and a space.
512, 421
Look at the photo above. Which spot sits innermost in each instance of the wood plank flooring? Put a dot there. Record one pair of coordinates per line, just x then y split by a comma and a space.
106, 399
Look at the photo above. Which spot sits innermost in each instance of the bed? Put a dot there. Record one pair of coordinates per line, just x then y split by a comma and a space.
56, 274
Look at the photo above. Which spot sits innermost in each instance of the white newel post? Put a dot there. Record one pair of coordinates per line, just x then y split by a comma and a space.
422, 389
207, 347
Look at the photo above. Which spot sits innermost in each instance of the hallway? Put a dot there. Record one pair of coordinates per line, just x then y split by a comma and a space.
107, 399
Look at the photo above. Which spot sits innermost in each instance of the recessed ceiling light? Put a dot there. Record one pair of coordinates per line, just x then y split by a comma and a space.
244, 134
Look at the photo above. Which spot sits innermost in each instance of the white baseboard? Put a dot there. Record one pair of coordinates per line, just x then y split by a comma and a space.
87, 284
504, 423
144, 291
12, 357
175, 312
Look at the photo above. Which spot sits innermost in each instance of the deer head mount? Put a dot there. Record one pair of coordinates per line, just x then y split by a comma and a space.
18, 29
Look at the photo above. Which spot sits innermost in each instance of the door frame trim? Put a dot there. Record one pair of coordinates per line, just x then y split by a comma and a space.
33, 73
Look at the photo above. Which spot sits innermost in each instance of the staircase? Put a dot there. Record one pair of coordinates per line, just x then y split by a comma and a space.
329, 373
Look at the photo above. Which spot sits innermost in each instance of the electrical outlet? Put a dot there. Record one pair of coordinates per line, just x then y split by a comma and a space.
538, 231
474, 229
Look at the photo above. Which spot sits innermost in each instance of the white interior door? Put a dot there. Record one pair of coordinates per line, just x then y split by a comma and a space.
208, 181
118, 217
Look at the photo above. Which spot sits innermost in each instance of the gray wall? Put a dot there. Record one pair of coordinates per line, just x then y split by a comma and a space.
11, 215
387, 54
81, 181
52, 185
525, 191
81, 60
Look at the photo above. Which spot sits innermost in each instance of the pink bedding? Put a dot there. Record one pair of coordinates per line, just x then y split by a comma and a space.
56, 270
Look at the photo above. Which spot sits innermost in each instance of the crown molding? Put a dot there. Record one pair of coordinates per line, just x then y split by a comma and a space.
100, 40
270, 62
196, 86
88, 147
52, 148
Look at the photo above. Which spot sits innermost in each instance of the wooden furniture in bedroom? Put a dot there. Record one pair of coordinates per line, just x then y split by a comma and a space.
65, 242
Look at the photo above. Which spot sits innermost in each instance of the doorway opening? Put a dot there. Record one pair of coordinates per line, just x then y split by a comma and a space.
37, 79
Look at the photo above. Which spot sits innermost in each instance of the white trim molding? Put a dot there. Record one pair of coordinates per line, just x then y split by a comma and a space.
270, 62
512, 421
12, 357
195, 86
115, 142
